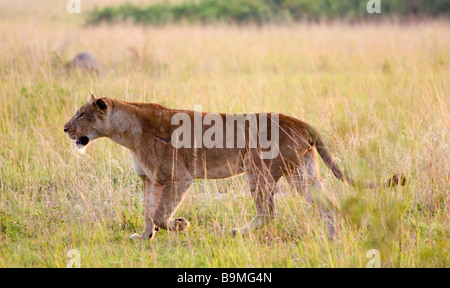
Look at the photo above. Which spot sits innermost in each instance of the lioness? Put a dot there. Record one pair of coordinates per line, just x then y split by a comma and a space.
167, 172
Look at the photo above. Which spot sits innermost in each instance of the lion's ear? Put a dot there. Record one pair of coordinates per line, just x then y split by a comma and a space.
101, 105
98, 103
92, 98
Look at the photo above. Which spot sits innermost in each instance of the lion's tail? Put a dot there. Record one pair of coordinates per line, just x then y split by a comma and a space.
329, 162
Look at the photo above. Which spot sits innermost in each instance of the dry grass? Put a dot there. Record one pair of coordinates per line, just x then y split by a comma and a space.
378, 94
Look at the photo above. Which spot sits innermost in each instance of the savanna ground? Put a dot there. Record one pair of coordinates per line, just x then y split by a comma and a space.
378, 93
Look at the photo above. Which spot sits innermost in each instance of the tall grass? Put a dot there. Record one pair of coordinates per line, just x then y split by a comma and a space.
377, 93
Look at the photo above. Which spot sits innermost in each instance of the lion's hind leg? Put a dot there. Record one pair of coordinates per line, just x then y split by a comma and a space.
304, 179
262, 183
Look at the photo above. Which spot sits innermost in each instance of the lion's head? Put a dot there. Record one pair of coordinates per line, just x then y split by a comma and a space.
89, 122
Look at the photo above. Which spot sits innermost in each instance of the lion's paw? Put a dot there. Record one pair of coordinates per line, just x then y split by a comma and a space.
236, 231
134, 236
180, 224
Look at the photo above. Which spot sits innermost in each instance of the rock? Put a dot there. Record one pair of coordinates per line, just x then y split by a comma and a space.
85, 61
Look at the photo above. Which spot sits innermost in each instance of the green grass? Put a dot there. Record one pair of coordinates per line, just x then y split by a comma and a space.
265, 11
377, 93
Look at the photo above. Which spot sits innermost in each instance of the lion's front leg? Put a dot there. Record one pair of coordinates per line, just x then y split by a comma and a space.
172, 195
152, 196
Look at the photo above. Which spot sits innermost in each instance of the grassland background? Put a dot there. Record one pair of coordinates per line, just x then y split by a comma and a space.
378, 93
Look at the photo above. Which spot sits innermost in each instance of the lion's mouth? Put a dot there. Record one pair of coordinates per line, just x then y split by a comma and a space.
81, 141
72, 136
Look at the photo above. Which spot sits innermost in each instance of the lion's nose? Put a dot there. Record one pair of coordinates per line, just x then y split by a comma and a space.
66, 130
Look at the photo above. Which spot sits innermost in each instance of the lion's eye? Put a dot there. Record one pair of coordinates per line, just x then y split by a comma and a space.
81, 115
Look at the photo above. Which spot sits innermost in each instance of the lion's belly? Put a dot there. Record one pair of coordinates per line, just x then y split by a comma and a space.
217, 164
219, 173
